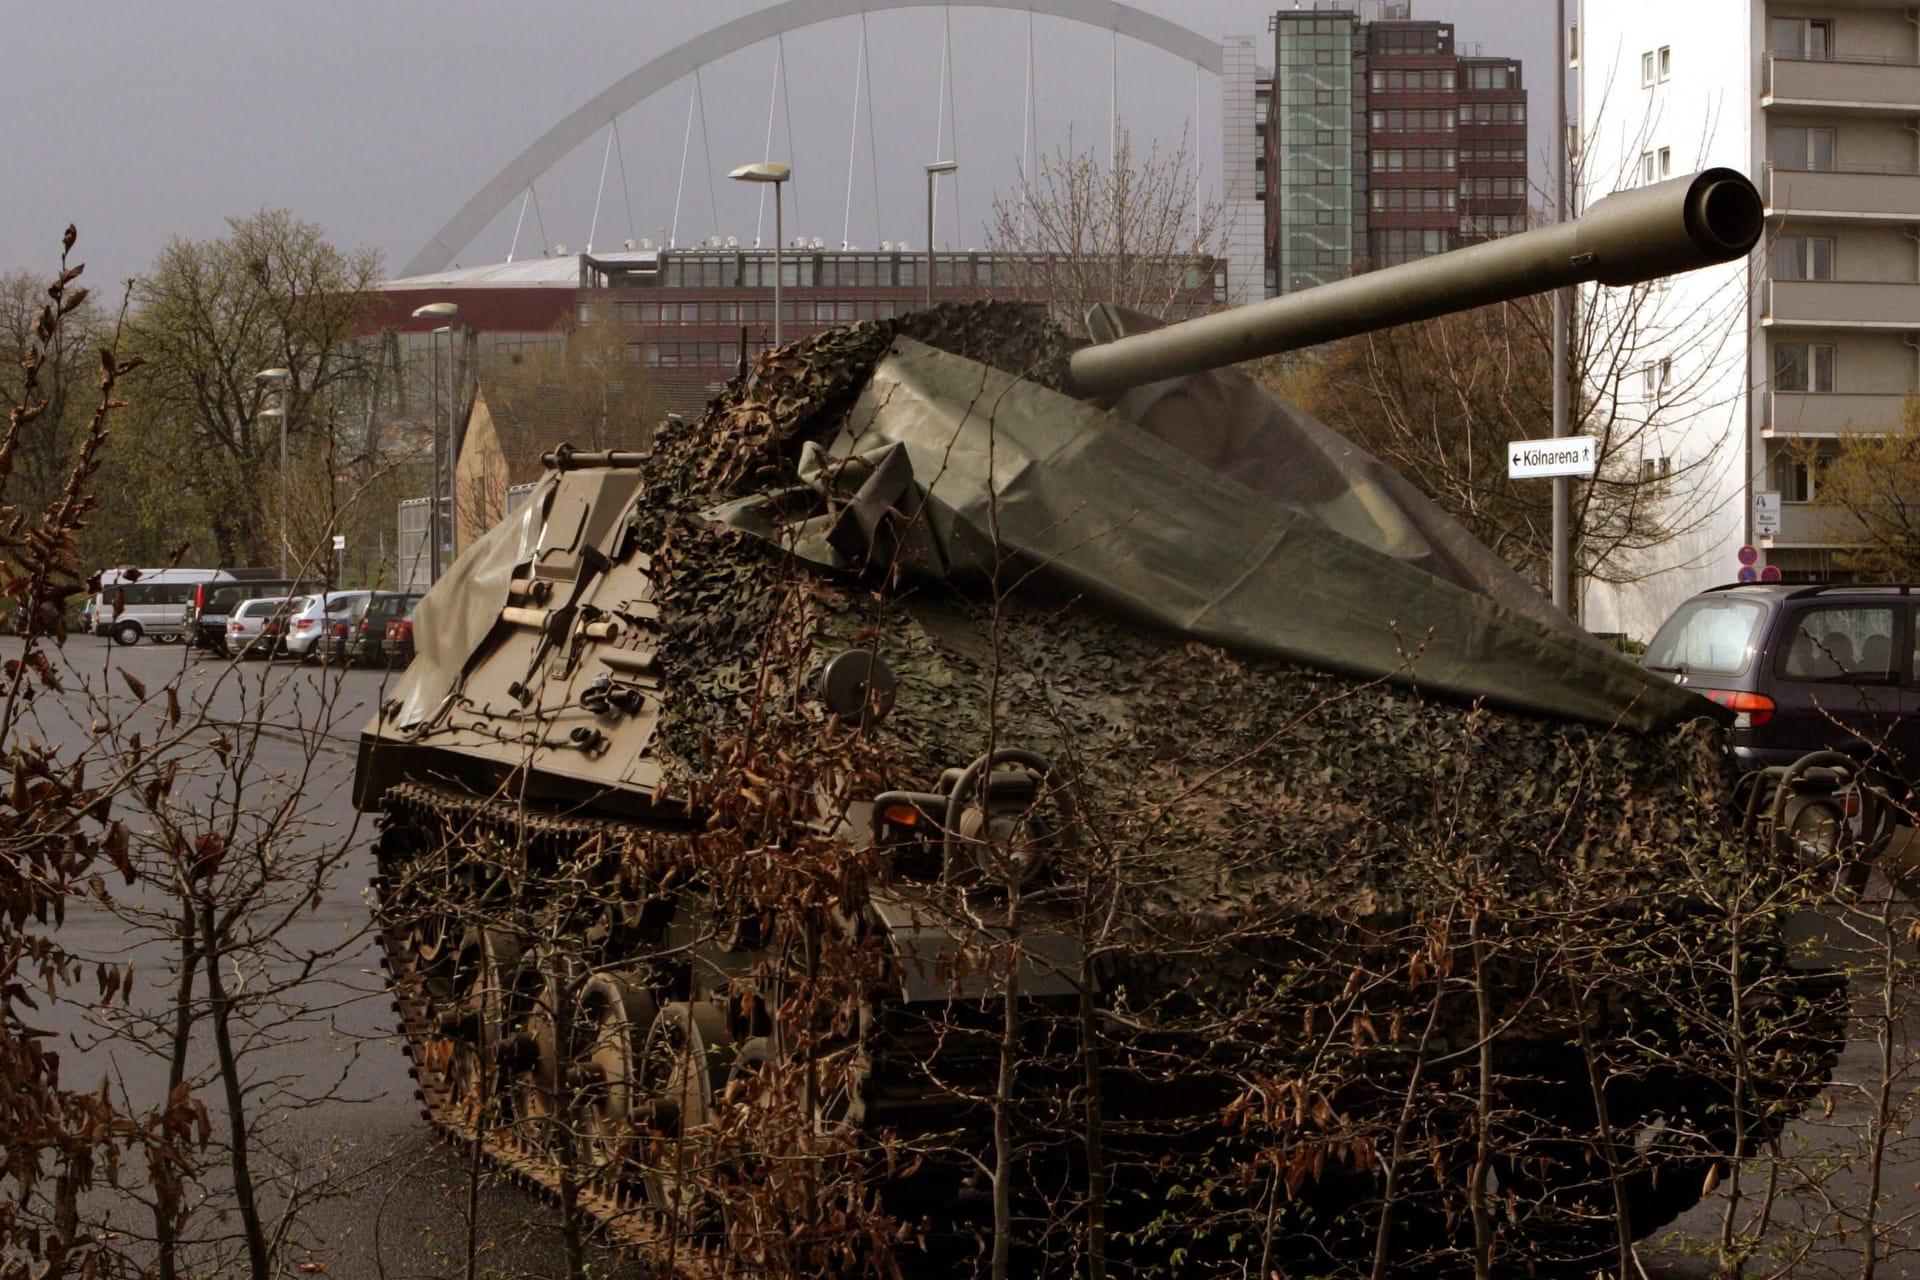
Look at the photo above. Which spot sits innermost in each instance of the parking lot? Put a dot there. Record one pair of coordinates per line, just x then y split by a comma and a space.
387, 1199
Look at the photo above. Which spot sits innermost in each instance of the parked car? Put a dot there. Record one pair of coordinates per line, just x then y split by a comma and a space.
305, 628
1804, 668
253, 628
368, 642
339, 631
131, 603
399, 641
205, 618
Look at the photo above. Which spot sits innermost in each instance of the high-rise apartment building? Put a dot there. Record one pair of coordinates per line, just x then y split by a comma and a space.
1818, 334
1383, 142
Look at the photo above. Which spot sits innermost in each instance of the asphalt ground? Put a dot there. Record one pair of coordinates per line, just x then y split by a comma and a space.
378, 1195
381, 1197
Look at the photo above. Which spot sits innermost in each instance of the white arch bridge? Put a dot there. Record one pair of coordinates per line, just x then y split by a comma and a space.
520, 178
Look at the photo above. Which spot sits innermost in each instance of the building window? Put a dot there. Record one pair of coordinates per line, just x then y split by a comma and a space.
1793, 478
1646, 69
1803, 258
1646, 167
1799, 147
1666, 162
1666, 61
1805, 367
1655, 377
1656, 472
1805, 38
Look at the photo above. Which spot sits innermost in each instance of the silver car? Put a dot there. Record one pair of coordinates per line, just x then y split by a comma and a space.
305, 627
253, 626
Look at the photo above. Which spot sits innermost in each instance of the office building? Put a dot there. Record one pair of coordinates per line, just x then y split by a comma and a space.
1383, 141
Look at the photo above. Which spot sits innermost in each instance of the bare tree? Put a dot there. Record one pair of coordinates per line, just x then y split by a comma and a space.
1440, 400
1076, 232
273, 293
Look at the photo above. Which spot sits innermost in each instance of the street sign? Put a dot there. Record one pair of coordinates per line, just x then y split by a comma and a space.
1770, 574
1766, 513
1748, 555
1749, 574
339, 542
1566, 456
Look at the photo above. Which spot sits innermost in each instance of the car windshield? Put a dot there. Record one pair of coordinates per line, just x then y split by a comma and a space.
1708, 635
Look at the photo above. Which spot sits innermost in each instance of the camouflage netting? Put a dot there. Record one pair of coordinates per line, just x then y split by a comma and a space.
1295, 866
1249, 781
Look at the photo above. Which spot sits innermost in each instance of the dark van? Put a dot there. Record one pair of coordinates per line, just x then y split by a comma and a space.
1804, 668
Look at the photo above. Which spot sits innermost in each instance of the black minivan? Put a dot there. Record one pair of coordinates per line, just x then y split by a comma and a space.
1804, 668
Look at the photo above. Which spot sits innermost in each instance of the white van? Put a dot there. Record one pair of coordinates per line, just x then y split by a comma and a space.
131, 603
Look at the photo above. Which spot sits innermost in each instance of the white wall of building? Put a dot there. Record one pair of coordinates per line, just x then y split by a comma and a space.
1704, 112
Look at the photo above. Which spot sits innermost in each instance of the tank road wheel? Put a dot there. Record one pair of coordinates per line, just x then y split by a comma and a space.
686, 1061
610, 1022
531, 1054
473, 1023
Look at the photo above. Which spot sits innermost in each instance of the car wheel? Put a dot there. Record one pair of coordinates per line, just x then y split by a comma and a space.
127, 633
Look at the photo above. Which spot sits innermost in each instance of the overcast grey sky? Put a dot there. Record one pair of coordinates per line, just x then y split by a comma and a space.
377, 119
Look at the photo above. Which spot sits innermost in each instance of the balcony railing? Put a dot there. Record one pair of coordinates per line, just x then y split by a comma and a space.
1851, 83
1853, 191
1843, 304
1801, 413
1812, 525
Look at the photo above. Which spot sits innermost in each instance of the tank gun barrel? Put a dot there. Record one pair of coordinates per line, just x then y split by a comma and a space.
1682, 224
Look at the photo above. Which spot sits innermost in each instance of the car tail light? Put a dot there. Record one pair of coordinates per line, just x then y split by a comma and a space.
1751, 710
302, 624
339, 630
235, 626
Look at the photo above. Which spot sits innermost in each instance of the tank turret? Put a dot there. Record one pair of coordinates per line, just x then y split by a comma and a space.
972, 794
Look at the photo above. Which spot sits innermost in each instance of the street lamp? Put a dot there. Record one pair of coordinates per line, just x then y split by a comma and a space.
442, 469
934, 170
282, 377
776, 173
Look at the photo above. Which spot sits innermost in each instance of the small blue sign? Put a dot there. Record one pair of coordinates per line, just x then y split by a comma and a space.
1749, 574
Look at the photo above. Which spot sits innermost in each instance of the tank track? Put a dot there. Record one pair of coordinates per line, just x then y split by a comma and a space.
619, 1212
901, 1099
617, 1206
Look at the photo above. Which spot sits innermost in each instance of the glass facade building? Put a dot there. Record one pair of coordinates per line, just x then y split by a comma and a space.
1315, 191
1381, 144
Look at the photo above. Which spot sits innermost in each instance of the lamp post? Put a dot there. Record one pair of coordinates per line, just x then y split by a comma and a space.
776, 173
934, 170
442, 471
281, 377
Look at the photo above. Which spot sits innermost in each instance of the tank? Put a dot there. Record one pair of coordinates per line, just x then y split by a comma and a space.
979, 802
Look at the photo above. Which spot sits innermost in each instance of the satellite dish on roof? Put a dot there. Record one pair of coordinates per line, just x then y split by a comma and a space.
628, 244
733, 242
560, 249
